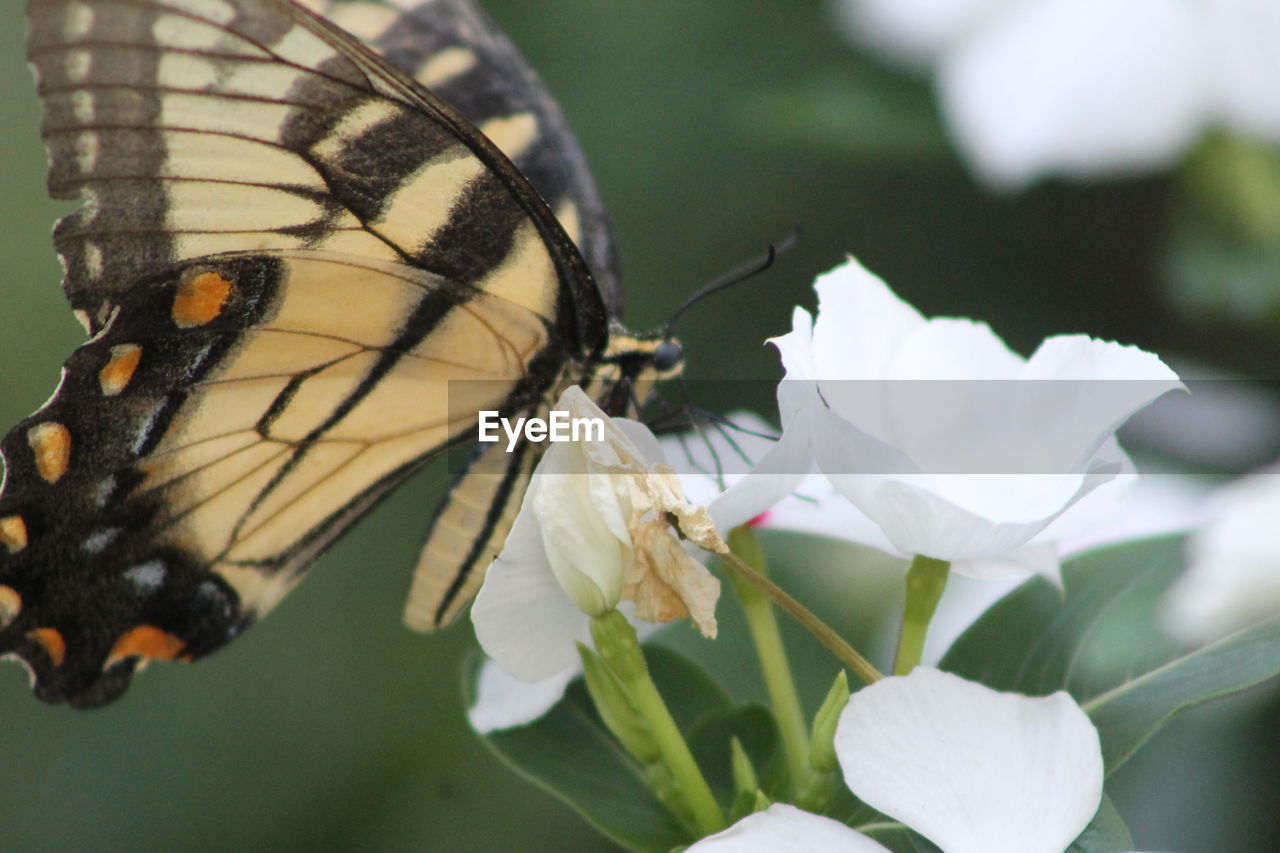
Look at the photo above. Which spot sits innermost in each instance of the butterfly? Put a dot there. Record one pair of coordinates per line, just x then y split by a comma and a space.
305, 261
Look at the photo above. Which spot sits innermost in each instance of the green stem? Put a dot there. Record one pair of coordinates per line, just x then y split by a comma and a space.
834, 642
926, 579
616, 642
1236, 179
763, 624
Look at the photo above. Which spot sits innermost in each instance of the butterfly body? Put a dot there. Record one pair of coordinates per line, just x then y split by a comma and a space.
303, 274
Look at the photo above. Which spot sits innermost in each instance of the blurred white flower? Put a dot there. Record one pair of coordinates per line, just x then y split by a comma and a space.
1031, 88
956, 447
1233, 573
971, 769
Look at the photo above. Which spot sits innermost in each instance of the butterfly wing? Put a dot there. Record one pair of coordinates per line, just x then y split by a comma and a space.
452, 48
455, 50
287, 248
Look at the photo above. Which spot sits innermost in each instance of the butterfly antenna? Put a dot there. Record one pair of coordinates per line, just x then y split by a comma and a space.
747, 271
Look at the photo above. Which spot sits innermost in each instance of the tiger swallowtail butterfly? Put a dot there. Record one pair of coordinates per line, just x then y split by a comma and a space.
299, 226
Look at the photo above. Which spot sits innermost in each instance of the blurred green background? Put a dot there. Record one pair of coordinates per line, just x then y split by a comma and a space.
712, 127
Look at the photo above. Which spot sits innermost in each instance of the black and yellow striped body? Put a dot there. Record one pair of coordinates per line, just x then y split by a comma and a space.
303, 272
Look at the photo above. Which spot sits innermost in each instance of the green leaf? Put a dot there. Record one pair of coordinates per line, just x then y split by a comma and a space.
746, 783
898, 838
1131, 712
571, 754
1107, 833
690, 692
711, 743
1100, 642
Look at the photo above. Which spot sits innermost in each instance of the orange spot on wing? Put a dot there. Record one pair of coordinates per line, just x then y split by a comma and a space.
10, 605
119, 370
13, 533
51, 640
145, 641
200, 299
52, 445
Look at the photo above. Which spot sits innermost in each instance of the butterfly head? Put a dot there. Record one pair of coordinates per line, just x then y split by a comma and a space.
624, 377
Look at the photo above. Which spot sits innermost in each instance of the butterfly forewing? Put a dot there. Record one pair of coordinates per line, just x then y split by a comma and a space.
194, 127
452, 48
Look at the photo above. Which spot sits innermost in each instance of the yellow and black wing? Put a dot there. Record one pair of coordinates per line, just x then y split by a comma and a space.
451, 47
454, 49
287, 252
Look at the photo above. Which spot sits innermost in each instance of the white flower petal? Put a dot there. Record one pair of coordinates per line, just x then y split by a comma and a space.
919, 521
973, 770
775, 477
504, 701
796, 347
860, 325
1244, 37
912, 32
1082, 388
1077, 87
583, 527
522, 617
819, 509
642, 437
946, 516
766, 496
786, 829
1233, 573
1034, 558
951, 348
1131, 507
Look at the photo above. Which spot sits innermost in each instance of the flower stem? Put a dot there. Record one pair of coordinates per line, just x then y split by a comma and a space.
616, 642
763, 624
926, 579
797, 611
1235, 180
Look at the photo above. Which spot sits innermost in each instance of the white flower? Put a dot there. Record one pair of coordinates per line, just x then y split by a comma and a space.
971, 769
1081, 87
592, 530
958, 448
1233, 574
523, 613
786, 829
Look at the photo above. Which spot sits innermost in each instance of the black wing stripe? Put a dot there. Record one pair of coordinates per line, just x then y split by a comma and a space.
376, 162
454, 49
466, 533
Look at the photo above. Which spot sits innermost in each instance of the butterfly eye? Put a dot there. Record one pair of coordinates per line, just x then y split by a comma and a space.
668, 356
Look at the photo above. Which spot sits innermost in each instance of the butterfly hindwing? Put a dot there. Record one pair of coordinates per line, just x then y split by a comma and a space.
287, 252
467, 532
